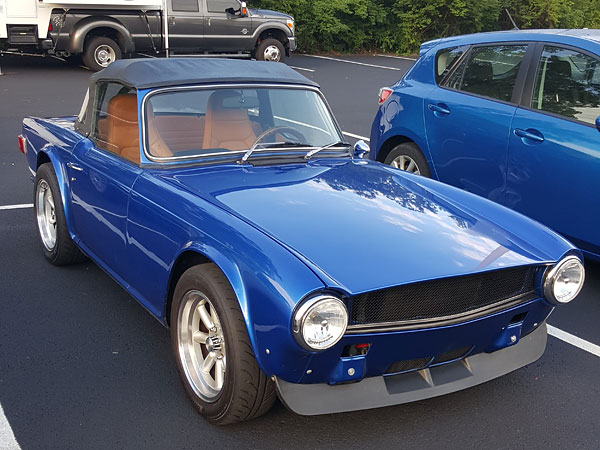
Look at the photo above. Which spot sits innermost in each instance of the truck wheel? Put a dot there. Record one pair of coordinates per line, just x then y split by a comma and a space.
100, 52
213, 352
270, 50
57, 244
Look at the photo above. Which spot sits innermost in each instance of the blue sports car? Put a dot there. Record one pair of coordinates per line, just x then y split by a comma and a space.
221, 195
511, 116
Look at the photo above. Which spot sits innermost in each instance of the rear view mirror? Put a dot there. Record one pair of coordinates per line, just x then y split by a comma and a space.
361, 149
598, 123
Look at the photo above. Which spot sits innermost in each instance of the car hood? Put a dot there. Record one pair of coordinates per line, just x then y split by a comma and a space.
362, 226
268, 14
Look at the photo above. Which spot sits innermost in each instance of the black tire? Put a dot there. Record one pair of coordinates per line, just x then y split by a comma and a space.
93, 52
64, 251
411, 150
246, 392
262, 49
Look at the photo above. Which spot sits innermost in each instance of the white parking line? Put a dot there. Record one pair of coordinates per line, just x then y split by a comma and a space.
356, 62
574, 340
22, 206
397, 57
356, 136
7, 437
302, 68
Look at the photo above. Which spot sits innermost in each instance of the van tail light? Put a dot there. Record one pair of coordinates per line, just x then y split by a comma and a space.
22, 144
384, 94
50, 26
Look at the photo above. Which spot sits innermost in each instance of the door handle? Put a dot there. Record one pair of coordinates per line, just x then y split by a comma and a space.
530, 133
171, 20
440, 109
75, 167
208, 21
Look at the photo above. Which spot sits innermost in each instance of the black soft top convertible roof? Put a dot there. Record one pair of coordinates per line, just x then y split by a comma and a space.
151, 73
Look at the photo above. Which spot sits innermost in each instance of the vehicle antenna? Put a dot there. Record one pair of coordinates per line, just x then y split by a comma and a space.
511, 19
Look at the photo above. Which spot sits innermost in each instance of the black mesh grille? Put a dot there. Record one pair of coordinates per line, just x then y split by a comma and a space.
451, 355
442, 298
409, 364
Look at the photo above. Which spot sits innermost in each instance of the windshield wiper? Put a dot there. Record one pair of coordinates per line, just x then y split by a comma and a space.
286, 144
314, 151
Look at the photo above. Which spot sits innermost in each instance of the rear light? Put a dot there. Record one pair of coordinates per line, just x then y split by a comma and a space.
22, 144
50, 26
384, 94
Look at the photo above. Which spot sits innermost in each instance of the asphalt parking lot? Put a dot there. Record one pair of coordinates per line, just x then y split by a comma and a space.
83, 366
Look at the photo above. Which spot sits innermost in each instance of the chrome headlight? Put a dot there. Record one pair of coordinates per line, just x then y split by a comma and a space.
564, 281
320, 322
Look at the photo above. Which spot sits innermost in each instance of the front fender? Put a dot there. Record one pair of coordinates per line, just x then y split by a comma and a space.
84, 26
272, 26
165, 220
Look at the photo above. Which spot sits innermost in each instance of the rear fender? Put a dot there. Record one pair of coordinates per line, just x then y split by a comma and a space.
49, 153
84, 26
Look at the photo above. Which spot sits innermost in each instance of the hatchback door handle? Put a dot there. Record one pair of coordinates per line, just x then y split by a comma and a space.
440, 108
75, 167
530, 133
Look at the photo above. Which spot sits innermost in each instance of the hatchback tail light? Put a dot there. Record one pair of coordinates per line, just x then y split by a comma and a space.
22, 144
384, 94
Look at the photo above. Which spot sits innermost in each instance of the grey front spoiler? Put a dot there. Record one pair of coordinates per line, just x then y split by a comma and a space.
375, 392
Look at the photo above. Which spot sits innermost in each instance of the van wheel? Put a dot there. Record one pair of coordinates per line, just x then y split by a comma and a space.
270, 50
100, 52
408, 157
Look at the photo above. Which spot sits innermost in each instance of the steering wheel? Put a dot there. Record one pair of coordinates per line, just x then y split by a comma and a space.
295, 133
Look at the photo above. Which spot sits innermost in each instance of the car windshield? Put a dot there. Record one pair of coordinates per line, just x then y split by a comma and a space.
200, 122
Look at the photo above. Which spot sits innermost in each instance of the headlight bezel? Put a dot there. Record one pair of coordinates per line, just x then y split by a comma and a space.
552, 275
302, 313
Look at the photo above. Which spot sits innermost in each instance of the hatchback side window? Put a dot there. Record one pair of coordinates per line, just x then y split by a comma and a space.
567, 83
446, 60
490, 71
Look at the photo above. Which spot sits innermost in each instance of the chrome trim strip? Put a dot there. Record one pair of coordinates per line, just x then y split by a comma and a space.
213, 86
441, 321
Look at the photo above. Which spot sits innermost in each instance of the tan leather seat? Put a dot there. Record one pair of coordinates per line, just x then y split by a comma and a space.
122, 127
228, 128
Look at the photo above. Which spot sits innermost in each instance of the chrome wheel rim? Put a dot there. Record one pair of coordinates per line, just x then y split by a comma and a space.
46, 214
405, 163
201, 345
104, 55
272, 53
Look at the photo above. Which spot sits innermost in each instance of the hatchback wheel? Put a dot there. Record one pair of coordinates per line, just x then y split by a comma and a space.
212, 349
408, 157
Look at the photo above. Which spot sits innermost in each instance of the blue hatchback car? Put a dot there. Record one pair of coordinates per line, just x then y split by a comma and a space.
511, 116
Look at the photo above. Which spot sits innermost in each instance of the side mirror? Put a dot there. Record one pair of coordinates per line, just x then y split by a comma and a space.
598, 123
243, 9
361, 148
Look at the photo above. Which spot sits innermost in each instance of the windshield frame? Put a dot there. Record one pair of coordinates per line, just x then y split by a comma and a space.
215, 157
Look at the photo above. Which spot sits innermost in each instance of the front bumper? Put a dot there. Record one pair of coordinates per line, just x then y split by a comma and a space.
292, 44
375, 392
